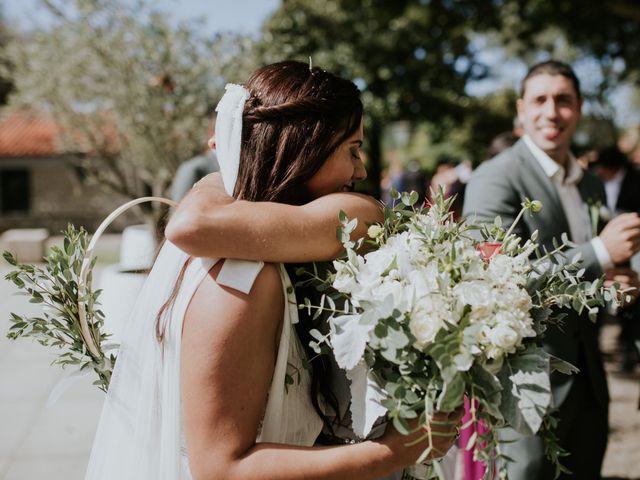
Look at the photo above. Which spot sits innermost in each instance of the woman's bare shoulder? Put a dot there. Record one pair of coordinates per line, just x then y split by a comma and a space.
259, 309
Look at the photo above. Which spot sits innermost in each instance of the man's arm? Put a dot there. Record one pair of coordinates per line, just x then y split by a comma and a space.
209, 223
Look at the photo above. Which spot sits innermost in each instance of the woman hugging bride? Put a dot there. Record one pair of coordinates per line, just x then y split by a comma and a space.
199, 387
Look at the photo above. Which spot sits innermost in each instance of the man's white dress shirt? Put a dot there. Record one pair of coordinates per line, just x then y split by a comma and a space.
613, 187
566, 182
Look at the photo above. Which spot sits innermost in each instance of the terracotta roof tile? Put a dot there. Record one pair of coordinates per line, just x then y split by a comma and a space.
28, 134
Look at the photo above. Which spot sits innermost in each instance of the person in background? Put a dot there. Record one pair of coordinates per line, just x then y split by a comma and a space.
452, 176
500, 143
541, 166
196, 168
191, 171
621, 182
414, 178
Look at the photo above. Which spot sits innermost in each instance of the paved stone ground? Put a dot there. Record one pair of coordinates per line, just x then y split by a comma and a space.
53, 442
39, 441
622, 460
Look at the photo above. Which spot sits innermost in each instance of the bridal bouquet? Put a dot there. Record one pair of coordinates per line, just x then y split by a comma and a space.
430, 314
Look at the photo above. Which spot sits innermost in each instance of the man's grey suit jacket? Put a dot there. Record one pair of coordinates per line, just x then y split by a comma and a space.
497, 188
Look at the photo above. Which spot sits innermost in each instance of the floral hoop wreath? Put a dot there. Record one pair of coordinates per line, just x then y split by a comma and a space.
86, 266
63, 283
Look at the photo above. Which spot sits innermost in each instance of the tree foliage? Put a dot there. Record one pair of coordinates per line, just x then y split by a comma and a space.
411, 59
414, 58
606, 30
5, 68
598, 38
132, 93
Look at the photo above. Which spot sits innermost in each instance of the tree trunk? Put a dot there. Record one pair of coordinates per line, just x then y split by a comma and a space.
373, 134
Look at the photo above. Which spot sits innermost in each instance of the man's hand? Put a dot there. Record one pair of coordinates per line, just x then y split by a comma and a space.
626, 278
621, 237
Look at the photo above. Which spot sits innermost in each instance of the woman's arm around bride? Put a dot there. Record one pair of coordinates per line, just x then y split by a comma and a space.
199, 385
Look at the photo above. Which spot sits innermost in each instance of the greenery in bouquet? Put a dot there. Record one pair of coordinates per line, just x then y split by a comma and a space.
60, 287
428, 310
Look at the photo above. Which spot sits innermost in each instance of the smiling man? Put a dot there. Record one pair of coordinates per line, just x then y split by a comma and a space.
540, 166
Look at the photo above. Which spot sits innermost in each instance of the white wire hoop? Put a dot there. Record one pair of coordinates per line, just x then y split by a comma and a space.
86, 263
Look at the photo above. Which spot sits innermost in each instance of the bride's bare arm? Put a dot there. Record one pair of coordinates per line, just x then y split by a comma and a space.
226, 368
209, 223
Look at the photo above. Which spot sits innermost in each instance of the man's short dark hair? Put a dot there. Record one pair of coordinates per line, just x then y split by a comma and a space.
552, 67
611, 157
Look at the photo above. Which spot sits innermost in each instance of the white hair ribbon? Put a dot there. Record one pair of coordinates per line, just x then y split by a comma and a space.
228, 133
238, 274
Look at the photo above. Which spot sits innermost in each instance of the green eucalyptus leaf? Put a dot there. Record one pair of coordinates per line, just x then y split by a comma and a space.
452, 394
401, 425
526, 390
562, 366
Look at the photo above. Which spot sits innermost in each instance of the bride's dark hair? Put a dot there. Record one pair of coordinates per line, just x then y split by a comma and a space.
293, 121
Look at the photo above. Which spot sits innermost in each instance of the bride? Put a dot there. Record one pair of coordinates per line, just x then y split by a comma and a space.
200, 388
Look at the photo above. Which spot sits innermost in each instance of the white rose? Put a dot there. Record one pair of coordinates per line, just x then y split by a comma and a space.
394, 288
414, 250
424, 328
506, 270
406, 250
513, 297
376, 263
503, 338
518, 321
430, 314
424, 280
475, 266
477, 294
526, 328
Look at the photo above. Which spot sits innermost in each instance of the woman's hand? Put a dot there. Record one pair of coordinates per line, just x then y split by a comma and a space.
444, 433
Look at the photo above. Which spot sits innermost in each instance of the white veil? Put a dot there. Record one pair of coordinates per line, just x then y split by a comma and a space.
139, 434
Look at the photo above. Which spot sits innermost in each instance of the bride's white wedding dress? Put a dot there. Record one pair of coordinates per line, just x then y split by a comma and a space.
140, 433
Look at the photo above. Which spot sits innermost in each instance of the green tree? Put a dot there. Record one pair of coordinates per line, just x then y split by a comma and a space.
414, 58
132, 93
606, 30
411, 59
599, 35
5, 68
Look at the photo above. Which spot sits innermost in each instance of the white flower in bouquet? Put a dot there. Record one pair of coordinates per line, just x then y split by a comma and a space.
506, 270
510, 295
345, 278
477, 294
424, 280
431, 313
500, 340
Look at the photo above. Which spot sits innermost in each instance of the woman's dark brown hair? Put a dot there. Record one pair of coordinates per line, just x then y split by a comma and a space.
293, 121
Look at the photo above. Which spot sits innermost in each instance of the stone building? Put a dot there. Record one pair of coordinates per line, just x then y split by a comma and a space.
41, 185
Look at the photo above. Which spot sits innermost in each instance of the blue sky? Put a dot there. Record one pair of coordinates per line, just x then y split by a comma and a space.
244, 16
